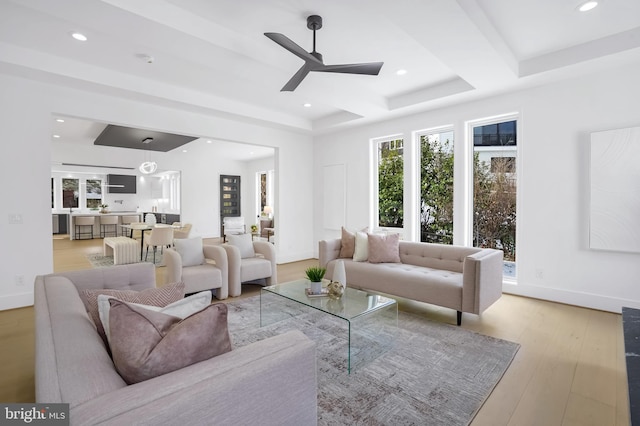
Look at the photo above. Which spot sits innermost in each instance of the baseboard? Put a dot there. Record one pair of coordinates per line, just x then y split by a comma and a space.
14, 301
576, 298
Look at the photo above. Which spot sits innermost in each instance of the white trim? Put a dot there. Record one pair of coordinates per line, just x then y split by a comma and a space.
15, 301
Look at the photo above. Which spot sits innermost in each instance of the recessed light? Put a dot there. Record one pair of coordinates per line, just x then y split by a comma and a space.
401, 72
79, 36
56, 136
147, 140
184, 150
587, 6
209, 142
59, 120
307, 105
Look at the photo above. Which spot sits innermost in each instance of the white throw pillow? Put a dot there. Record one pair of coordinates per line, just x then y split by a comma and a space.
181, 308
361, 252
190, 250
244, 243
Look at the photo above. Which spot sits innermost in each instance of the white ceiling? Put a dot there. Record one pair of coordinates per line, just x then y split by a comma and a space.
212, 55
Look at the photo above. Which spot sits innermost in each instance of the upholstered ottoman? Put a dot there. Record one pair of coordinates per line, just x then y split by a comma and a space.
123, 249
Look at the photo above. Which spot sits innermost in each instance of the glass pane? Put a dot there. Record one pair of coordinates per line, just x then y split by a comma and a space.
94, 193
494, 190
390, 183
70, 193
436, 188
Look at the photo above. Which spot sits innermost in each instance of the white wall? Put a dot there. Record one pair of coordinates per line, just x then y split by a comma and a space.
554, 261
26, 109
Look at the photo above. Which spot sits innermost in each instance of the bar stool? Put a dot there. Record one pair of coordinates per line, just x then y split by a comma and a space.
107, 222
128, 220
83, 222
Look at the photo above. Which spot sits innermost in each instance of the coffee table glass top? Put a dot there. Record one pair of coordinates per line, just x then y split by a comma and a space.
353, 303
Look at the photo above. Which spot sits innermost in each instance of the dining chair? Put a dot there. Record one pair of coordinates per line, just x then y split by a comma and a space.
160, 237
128, 220
182, 232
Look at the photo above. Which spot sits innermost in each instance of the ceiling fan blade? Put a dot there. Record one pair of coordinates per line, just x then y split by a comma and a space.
292, 47
371, 68
296, 79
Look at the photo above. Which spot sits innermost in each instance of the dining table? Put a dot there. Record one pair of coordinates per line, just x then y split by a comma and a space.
142, 227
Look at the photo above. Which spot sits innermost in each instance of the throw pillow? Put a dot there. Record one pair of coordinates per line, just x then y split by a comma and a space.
348, 243
384, 248
361, 251
151, 296
190, 250
244, 243
146, 344
181, 308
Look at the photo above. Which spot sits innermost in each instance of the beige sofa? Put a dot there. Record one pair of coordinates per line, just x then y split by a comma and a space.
272, 381
466, 279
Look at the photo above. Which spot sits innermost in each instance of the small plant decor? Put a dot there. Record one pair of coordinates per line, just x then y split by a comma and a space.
315, 273
254, 228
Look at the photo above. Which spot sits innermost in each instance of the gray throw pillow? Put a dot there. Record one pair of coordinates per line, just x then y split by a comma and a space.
244, 243
190, 250
146, 344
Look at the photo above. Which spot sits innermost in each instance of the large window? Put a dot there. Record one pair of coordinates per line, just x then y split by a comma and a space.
494, 189
94, 193
390, 183
70, 193
436, 187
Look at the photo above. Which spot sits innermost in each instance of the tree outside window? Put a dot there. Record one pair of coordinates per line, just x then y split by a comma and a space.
494, 189
70, 193
94, 193
436, 188
390, 183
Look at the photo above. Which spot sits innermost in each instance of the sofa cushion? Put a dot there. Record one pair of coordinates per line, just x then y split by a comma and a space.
146, 344
152, 296
190, 250
348, 243
361, 252
181, 308
244, 244
384, 248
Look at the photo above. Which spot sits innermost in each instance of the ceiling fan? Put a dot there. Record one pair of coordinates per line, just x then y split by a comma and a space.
313, 60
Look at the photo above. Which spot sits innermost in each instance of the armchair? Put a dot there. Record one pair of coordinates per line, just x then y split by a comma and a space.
262, 265
198, 276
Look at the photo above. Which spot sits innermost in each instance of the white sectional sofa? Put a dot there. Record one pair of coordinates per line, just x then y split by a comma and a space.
466, 279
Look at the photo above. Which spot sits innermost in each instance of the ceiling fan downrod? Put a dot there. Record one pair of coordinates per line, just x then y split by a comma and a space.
314, 23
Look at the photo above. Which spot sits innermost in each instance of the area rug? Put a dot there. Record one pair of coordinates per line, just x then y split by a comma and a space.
97, 260
433, 374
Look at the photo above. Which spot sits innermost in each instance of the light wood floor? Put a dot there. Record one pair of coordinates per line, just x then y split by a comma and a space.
570, 369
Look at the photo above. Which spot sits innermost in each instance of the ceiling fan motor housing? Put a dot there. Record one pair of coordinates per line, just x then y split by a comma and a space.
314, 22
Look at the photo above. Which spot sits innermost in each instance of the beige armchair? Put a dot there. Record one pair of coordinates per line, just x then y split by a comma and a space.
261, 265
212, 273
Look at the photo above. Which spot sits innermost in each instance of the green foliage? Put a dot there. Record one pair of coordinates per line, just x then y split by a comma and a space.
315, 273
390, 188
436, 191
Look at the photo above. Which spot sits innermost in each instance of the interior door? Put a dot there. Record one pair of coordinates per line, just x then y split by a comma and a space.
229, 197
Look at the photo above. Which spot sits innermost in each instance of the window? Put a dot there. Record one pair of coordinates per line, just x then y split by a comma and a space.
494, 189
94, 193
390, 183
70, 193
436, 187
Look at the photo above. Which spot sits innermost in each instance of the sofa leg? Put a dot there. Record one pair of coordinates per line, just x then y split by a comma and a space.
459, 318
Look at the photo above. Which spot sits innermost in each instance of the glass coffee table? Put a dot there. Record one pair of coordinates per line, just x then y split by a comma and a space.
371, 319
